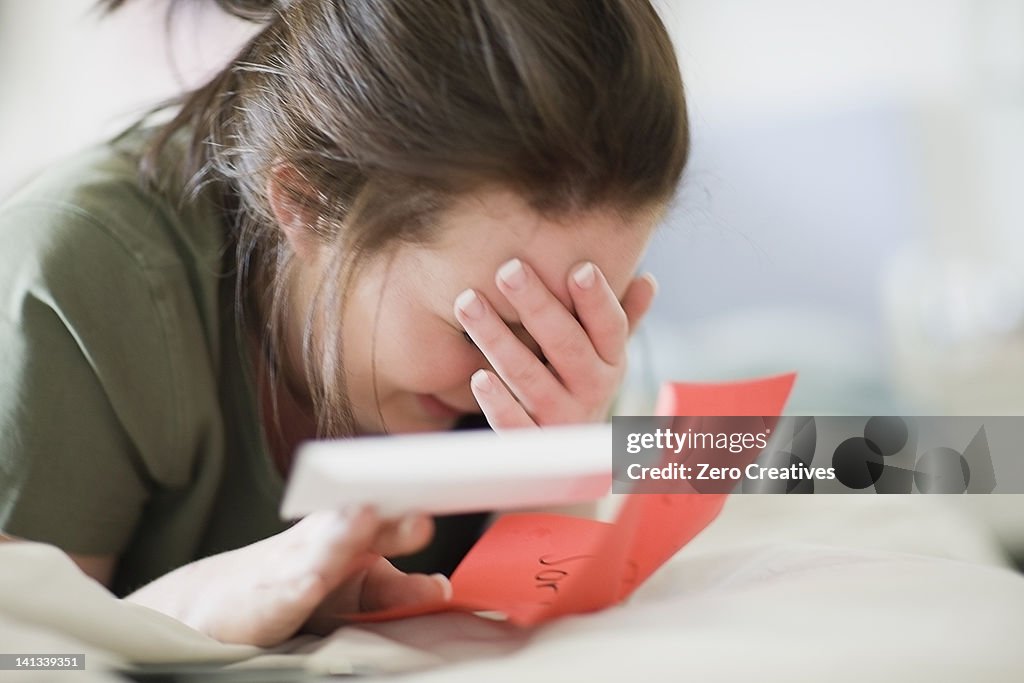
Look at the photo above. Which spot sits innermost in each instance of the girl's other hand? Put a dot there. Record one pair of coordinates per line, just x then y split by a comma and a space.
325, 566
580, 361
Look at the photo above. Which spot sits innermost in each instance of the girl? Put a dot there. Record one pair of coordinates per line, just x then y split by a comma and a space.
382, 216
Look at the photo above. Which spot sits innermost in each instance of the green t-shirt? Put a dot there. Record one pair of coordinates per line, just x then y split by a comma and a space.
128, 420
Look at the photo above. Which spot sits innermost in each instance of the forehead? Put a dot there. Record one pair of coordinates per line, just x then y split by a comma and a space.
481, 232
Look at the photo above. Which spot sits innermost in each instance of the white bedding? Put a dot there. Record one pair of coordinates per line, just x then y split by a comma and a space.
779, 588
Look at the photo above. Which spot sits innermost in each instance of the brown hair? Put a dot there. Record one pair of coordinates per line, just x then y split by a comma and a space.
386, 109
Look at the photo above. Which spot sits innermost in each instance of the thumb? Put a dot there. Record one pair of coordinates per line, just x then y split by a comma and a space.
386, 587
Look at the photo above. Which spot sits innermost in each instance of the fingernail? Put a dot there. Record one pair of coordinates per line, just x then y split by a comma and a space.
407, 527
653, 280
446, 585
469, 305
343, 520
512, 274
482, 381
353, 514
584, 275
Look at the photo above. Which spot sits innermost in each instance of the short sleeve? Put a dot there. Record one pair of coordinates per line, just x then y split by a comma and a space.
88, 398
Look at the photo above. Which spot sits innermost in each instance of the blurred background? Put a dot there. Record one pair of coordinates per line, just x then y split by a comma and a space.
852, 209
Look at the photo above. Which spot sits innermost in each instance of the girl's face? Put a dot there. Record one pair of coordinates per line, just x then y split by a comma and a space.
400, 333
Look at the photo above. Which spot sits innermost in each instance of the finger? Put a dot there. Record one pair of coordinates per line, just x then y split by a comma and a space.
529, 379
386, 587
560, 336
403, 536
638, 299
499, 406
335, 587
600, 312
328, 548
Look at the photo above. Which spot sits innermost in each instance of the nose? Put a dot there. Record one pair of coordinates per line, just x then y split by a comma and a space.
462, 396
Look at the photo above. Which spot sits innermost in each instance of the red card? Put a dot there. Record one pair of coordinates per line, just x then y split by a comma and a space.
530, 567
535, 567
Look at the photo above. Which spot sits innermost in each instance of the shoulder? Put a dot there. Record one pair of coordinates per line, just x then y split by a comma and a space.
96, 202
122, 282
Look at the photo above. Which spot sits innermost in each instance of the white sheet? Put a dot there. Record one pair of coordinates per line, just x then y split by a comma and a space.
797, 588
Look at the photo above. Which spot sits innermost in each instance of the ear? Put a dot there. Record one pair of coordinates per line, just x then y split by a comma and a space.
293, 216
